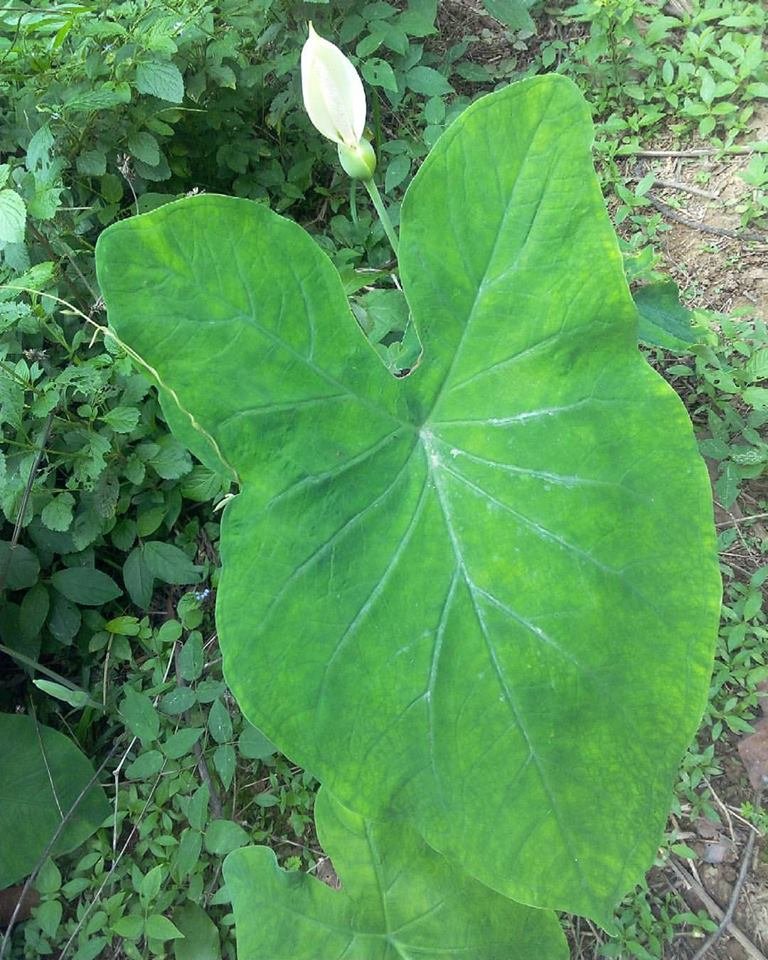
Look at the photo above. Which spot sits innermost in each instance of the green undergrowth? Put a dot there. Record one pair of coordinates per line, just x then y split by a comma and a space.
111, 580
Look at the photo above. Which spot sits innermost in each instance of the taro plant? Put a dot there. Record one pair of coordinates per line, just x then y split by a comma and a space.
479, 602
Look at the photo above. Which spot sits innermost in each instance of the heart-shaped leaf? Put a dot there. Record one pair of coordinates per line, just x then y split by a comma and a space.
483, 597
398, 900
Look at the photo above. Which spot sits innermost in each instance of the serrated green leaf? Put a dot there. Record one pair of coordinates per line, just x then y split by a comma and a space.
397, 899
92, 163
202, 484
462, 574
13, 217
57, 513
171, 460
144, 147
160, 79
121, 419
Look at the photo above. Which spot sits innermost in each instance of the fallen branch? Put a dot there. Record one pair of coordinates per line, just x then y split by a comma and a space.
684, 187
702, 152
672, 214
725, 917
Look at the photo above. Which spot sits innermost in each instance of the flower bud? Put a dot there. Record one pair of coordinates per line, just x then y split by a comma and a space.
333, 92
359, 161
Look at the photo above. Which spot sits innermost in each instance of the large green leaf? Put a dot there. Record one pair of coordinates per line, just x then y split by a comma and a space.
483, 597
43, 773
399, 900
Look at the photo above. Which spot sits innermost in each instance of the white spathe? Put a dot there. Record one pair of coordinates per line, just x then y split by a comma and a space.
333, 91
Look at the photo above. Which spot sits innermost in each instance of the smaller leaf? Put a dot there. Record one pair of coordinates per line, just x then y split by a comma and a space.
178, 700
130, 927
253, 745
160, 79
171, 460
201, 484
146, 765
169, 563
121, 419
48, 915
220, 722
139, 715
428, 81
397, 171
225, 760
664, 322
64, 618
33, 610
201, 936
179, 744
151, 883
378, 73
158, 927
85, 585
512, 13
188, 853
57, 514
191, 657
197, 807
48, 880
13, 217
19, 567
144, 147
224, 836
138, 579
92, 163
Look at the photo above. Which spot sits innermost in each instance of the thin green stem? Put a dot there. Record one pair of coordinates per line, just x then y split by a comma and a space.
373, 193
